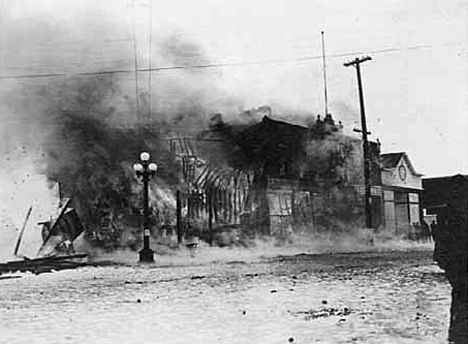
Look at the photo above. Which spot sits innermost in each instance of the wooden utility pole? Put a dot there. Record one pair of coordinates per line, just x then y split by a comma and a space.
365, 143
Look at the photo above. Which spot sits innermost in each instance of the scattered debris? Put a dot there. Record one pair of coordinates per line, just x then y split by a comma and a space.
251, 275
57, 251
8, 277
59, 234
22, 231
41, 265
325, 312
232, 262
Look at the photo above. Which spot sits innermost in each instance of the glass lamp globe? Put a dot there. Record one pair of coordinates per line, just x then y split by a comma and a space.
152, 167
138, 167
145, 156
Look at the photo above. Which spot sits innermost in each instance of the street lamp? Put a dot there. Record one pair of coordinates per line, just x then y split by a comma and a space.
145, 170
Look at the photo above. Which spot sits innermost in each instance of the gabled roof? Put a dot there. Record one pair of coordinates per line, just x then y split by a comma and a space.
273, 134
391, 160
269, 122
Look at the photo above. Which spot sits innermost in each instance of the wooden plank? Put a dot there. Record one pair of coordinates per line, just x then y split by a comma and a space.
190, 147
235, 201
197, 181
214, 201
203, 182
211, 181
210, 217
225, 204
230, 206
52, 227
9, 277
43, 264
45, 259
22, 231
179, 217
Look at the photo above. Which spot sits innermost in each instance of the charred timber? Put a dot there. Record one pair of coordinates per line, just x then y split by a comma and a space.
45, 264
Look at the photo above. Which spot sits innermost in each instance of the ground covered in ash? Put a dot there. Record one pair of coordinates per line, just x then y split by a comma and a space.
366, 297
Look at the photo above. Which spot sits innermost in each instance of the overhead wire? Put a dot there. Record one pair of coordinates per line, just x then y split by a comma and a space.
1, 57
150, 37
53, 44
137, 93
226, 64
214, 65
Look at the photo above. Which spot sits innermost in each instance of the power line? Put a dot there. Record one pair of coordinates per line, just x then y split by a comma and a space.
137, 95
227, 64
150, 34
1, 60
53, 44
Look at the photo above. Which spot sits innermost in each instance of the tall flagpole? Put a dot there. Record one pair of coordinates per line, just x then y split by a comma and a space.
324, 74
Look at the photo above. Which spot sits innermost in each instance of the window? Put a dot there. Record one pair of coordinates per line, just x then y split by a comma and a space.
414, 198
282, 169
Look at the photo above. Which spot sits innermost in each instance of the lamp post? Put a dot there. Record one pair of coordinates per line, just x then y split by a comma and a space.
145, 170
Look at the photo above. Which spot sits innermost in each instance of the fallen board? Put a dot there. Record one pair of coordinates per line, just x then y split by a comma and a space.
66, 227
46, 264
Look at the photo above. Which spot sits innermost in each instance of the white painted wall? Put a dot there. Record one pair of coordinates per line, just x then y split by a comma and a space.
391, 177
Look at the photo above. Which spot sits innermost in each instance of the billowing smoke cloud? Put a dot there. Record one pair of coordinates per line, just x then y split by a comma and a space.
179, 51
85, 132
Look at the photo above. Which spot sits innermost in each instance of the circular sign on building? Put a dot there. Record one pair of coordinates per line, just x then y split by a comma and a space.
402, 172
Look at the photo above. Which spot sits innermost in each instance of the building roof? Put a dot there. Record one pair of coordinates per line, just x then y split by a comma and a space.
267, 121
271, 138
445, 190
451, 177
391, 160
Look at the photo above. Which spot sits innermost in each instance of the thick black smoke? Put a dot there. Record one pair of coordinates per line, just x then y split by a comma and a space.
92, 159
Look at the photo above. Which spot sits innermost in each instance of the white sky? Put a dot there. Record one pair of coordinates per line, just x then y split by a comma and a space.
416, 99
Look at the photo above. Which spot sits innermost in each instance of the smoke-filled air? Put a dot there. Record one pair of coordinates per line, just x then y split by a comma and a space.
76, 137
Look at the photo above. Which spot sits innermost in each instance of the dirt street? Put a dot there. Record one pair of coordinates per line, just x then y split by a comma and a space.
373, 297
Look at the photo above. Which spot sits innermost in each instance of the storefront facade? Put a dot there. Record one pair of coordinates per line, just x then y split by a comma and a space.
402, 189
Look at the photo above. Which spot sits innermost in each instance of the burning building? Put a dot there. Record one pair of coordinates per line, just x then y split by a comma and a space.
308, 178
275, 177
266, 176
